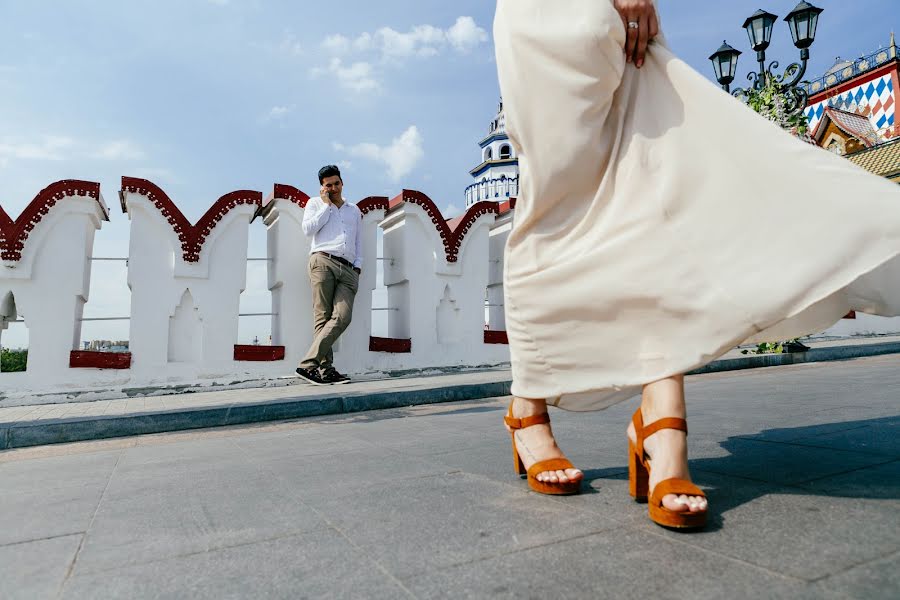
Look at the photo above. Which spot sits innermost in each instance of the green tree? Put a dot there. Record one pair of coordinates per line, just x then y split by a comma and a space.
13, 360
781, 106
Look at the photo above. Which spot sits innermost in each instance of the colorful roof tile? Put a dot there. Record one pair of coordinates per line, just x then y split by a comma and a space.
883, 159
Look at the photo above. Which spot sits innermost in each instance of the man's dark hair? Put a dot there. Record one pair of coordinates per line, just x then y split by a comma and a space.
329, 171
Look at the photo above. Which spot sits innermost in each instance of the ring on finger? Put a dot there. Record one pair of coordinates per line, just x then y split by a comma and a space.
633, 25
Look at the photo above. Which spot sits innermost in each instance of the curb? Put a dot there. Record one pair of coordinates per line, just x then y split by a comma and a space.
79, 429
833, 353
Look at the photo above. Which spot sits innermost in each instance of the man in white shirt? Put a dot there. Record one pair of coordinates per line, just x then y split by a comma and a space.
335, 262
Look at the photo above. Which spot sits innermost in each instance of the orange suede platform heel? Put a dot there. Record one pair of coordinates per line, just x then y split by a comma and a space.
553, 464
639, 478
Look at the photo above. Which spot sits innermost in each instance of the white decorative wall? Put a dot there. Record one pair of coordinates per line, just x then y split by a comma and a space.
444, 283
186, 281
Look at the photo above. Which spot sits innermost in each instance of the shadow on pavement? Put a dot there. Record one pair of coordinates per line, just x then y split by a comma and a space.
851, 459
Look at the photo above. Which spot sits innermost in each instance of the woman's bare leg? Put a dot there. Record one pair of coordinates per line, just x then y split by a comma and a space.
667, 448
536, 443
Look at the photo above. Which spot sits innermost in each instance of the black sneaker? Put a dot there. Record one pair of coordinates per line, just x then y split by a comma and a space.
311, 375
796, 346
330, 375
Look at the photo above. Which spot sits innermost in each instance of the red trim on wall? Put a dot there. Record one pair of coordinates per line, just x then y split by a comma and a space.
289, 192
394, 345
849, 85
367, 205
495, 337
850, 315
13, 234
507, 205
300, 198
452, 238
190, 236
258, 353
91, 359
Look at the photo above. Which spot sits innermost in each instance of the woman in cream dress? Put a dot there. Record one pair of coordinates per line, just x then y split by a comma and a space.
644, 188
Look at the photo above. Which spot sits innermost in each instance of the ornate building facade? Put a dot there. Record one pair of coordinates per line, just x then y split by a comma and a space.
852, 110
497, 175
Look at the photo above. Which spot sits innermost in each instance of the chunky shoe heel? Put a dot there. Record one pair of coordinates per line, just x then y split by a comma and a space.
638, 476
554, 464
517, 460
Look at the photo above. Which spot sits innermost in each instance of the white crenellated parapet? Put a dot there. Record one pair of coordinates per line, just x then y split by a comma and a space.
436, 274
185, 281
46, 273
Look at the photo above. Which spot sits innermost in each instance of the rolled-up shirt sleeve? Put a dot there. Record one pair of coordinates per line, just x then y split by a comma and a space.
359, 257
315, 216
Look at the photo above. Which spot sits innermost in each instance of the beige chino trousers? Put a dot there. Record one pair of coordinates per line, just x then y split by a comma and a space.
334, 287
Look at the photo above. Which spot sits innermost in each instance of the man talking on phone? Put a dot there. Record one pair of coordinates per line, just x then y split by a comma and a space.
335, 263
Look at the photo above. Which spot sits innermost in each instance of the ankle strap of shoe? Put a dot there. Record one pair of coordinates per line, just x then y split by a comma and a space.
643, 433
526, 421
666, 423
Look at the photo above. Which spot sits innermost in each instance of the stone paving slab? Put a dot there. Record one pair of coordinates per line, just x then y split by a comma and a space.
421, 502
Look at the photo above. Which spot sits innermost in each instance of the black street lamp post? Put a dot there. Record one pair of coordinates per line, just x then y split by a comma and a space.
802, 22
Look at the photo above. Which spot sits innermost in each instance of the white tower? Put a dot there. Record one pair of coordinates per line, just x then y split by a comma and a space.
497, 176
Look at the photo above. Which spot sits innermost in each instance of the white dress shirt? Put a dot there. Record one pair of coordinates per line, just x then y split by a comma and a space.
334, 230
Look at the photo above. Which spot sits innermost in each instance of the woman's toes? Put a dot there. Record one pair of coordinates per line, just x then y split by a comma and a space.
574, 474
675, 503
562, 476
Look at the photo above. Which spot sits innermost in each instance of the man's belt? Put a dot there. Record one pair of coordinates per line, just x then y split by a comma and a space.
343, 261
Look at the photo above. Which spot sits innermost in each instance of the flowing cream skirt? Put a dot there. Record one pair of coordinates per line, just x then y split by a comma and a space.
660, 222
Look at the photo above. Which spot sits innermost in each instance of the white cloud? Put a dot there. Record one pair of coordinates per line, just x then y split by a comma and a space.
119, 150
51, 147
290, 45
452, 211
392, 47
465, 35
60, 147
400, 157
363, 42
357, 77
420, 41
279, 112
337, 44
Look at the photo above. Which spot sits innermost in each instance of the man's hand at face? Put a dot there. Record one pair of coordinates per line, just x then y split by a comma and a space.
325, 195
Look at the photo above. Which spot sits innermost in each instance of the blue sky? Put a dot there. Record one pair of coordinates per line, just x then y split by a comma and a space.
207, 96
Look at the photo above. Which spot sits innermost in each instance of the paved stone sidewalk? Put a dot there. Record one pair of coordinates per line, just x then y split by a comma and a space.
22, 426
801, 463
